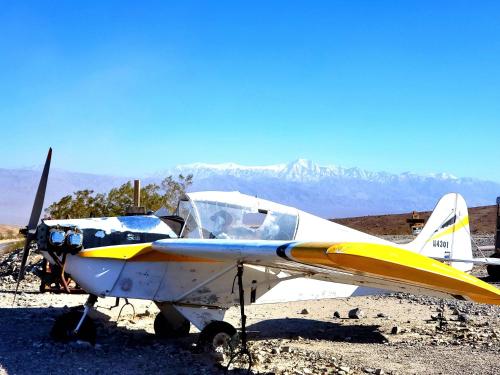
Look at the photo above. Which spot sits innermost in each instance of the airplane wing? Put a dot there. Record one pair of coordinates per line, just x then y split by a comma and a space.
367, 264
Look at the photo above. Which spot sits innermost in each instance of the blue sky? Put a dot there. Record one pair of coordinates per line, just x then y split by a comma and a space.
130, 88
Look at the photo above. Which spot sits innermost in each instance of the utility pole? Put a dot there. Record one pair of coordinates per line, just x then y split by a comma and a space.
136, 209
137, 193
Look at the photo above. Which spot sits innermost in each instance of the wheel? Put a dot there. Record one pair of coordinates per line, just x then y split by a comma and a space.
64, 326
165, 330
494, 271
218, 336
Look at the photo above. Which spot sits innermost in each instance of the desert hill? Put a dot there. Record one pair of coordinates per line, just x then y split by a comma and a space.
482, 220
8, 231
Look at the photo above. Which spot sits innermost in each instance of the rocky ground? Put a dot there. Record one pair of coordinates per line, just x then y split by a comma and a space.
398, 334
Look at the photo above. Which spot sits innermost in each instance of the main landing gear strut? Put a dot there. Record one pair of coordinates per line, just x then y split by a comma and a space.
220, 337
244, 347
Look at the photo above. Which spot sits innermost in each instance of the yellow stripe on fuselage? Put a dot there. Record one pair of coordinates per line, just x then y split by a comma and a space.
142, 252
455, 227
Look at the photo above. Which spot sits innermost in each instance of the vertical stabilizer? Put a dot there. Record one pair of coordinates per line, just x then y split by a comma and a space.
446, 235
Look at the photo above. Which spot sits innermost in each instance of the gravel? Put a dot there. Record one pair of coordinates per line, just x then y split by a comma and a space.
463, 337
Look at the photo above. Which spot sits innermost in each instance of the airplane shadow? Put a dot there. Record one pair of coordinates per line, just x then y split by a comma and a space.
290, 328
26, 346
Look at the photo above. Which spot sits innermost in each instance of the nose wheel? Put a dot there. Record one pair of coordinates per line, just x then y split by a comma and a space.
219, 336
76, 324
63, 329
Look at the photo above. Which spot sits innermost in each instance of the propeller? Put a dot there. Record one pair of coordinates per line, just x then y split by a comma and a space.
36, 212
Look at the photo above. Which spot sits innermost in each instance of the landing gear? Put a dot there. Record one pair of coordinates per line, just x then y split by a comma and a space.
243, 352
218, 336
166, 329
221, 337
64, 328
76, 324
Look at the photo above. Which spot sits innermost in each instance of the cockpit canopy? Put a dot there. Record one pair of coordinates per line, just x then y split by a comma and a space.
215, 214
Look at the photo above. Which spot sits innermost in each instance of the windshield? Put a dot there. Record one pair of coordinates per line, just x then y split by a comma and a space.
191, 229
213, 219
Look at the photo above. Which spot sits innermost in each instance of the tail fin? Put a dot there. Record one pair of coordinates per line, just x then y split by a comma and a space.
446, 234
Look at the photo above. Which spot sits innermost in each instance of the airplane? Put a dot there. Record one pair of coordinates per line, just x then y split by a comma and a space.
188, 263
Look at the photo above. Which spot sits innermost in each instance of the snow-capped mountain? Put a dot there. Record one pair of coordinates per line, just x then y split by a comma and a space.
334, 191
301, 170
328, 191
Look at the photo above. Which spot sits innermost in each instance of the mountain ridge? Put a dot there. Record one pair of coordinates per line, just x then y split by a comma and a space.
329, 191
299, 170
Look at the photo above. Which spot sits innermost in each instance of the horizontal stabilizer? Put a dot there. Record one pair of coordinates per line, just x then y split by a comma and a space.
485, 261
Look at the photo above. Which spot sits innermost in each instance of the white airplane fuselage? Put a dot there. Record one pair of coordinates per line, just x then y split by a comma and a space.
161, 279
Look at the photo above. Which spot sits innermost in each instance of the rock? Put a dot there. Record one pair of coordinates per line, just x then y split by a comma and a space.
462, 317
395, 330
379, 371
345, 369
259, 358
285, 349
336, 314
368, 370
304, 312
356, 313
382, 315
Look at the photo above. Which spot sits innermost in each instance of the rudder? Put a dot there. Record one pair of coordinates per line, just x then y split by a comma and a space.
446, 234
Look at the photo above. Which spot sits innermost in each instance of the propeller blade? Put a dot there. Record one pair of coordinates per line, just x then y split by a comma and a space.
20, 275
36, 212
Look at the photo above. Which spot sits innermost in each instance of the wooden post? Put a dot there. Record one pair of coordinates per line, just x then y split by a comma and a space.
497, 232
137, 193
136, 209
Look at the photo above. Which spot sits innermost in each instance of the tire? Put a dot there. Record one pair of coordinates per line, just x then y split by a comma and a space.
493, 270
218, 335
164, 329
64, 326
